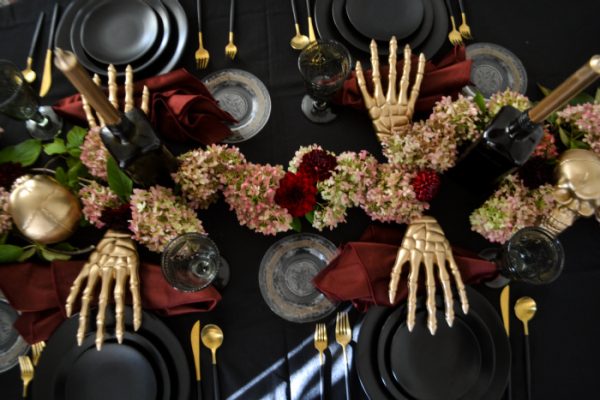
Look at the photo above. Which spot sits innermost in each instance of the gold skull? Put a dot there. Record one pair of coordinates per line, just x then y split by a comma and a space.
43, 210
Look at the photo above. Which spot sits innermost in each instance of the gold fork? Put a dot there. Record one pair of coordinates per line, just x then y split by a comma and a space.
343, 335
454, 35
36, 350
201, 55
26, 372
464, 28
321, 345
231, 49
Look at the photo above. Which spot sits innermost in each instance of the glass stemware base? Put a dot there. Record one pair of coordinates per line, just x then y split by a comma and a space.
49, 126
317, 112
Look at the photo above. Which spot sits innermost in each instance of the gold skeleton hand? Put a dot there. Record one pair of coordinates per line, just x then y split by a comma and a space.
424, 242
115, 259
390, 112
112, 95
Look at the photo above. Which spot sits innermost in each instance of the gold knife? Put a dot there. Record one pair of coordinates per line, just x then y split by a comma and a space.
504, 308
195, 341
47, 75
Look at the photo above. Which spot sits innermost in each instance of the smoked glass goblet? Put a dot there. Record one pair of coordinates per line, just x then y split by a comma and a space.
19, 101
324, 65
532, 255
191, 262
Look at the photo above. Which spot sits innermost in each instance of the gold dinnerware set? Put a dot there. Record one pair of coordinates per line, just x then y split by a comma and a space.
300, 41
457, 35
27, 364
524, 309
47, 74
343, 336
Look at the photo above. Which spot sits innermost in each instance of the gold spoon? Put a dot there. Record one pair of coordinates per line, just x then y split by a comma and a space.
212, 337
299, 41
525, 309
28, 72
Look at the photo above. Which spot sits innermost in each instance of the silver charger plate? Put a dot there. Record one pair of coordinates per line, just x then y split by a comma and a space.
496, 69
286, 273
243, 96
12, 345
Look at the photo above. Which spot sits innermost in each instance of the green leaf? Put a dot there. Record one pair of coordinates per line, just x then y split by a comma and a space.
50, 255
564, 137
310, 216
581, 98
73, 174
74, 152
3, 237
75, 137
25, 153
64, 246
118, 182
56, 147
552, 118
480, 101
27, 254
297, 224
61, 176
545, 91
597, 98
9, 253
578, 144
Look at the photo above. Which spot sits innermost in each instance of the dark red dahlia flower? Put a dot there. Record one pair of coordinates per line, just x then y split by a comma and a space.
297, 193
317, 164
9, 172
118, 217
426, 184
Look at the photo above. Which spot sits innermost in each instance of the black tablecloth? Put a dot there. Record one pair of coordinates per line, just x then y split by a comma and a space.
265, 357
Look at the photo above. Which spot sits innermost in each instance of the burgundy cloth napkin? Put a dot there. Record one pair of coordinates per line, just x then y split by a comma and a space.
443, 78
181, 108
361, 272
39, 292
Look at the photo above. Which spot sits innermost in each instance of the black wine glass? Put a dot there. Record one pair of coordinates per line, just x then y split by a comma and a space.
19, 101
324, 65
532, 255
191, 262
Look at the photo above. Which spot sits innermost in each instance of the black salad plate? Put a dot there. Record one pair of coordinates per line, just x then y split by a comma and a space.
119, 33
161, 58
471, 360
332, 22
382, 19
149, 364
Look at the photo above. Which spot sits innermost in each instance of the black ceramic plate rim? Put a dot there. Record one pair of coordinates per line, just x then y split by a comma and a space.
88, 19
361, 27
327, 307
475, 325
152, 329
349, 33
371, 325
138, 342
180, 30
20, 347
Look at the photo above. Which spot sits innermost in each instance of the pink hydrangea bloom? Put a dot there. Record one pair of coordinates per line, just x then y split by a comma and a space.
511, 207
392, 198
507, 98
462, 115
201, 173
547, 146
250, 192
95, 199
345, 188
94, 155
586, 118
5, 219
157, 217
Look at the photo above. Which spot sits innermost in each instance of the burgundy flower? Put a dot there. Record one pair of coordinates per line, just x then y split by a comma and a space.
296, 193
9, 172
118, 217
426, 184
317, 164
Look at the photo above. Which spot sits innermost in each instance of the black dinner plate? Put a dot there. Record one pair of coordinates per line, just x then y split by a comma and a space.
367, 348
174, 42
150, 363
119, 32
383, 19
324, 23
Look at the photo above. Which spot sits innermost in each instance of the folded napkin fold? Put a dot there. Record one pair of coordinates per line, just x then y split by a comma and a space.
443, 78
361, 272
181, 108
39, 293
